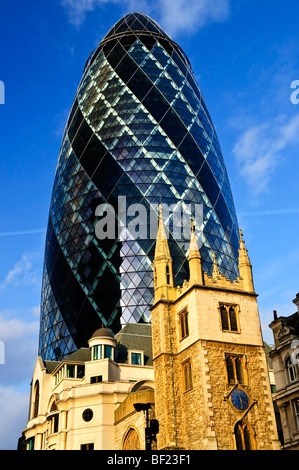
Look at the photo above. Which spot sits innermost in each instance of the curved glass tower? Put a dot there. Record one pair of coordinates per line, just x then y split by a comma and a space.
138, 131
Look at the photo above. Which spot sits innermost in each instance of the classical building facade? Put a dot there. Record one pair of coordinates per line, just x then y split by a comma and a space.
285, 358
77, 403
199, 370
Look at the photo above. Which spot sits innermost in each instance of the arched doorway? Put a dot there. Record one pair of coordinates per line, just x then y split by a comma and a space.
131, 441
244, 436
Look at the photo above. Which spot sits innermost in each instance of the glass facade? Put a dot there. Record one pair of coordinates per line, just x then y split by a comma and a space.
138, 128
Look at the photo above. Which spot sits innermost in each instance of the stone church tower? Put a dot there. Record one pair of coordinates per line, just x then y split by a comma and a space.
211, 379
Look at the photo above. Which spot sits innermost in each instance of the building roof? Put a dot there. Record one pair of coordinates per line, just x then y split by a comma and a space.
134, 336
50, 365
81, 355
102, 332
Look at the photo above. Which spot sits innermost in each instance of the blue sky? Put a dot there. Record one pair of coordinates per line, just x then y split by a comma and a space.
245, 56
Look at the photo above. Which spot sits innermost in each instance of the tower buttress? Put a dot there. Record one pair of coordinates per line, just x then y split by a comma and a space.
216, 272
195, 265
245, 267
163, 265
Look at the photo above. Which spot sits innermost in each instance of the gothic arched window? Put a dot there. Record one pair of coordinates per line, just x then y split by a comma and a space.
229, 318
235, 369
244, 436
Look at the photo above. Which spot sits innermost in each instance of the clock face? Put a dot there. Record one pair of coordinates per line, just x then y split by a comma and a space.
240, 399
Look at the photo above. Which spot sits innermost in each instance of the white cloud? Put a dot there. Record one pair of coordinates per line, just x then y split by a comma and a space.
23, 272
77, 9
174, 16
258, 151
14, 412
19, 335
180, 16
22, 232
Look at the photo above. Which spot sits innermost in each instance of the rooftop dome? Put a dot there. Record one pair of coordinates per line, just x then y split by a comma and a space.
102, 332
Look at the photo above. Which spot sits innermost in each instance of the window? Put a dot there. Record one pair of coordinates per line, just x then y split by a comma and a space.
167, 274
87, 415
229, 317
187, 375
136, 358
97, 352
108, 352
244, 436
70, 370
87, 446
80, 371
31, 443
53, 423
184, 328
296, 412
36, 399
292, 370
96, 379
235, 370
102, 351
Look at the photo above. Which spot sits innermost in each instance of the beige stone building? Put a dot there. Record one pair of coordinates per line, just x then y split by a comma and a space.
212, 384
81, 403
285, 358
200, 369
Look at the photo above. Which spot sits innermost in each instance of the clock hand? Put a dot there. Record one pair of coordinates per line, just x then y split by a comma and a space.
241, 401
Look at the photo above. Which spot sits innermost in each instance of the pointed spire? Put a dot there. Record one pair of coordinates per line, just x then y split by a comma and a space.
216, 271
195, 266
243, 253
162, 264
162, 247
241, 241
245, 267
193, 247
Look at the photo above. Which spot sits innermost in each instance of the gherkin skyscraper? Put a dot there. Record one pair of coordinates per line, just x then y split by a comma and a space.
138, 129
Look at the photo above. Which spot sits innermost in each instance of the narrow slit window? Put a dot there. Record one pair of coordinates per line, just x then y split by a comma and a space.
167, 274
184, 327
224, 319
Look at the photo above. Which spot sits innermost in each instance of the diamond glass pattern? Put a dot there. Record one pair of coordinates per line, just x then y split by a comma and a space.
139, 128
